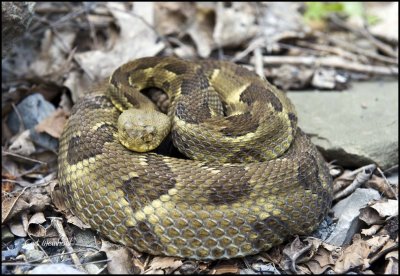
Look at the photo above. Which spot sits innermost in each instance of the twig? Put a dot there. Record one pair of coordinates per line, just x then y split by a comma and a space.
383, 252
65, 47
387, 183
258, 42
163, 38
91, 29
41, 248
258, 63
5, 153
363, 176
67, 244
21, 122
361, 51
331, 61
57, 255
328, 49
382, 46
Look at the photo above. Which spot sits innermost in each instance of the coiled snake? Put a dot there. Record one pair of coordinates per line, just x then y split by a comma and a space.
252, 178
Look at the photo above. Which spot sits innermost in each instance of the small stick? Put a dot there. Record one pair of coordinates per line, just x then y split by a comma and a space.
331, 61
360, 179
258, 63
387, 183
67, 244
5, 153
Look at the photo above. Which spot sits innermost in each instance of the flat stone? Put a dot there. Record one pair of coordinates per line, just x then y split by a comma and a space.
356, 127
347, 211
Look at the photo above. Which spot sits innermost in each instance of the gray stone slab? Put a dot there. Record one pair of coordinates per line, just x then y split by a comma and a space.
357, 126
347, 211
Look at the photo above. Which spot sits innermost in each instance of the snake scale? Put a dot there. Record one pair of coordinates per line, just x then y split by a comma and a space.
251, 178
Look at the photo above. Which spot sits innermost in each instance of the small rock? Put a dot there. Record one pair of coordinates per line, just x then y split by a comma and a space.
348, 210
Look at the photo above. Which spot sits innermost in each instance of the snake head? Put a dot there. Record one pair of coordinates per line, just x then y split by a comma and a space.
142, 130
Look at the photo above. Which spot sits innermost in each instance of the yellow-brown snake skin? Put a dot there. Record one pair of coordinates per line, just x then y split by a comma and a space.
252, 178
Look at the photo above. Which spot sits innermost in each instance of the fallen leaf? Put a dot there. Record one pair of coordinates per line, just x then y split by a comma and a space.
371, 231
136, 39
120, 259
7, 204
53, 124
171, 17
392, 266
35, 227
380, 184
353, 256
201, 31
377, 212
18, 229
53, 60
167, 264
235, 24
377, 242
387, 208
71, 218
23, 144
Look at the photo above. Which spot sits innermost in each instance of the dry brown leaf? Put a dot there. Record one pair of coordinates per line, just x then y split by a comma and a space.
201, 31
37, 200
371, 231
353, 256
324, 257
7, 186
120, 259
78, 84
387, 208
377, 242
58, 200
370, 216
34, 225
136, 39
18, 229
392, 266
380, 184
235, 24
378, 211
23, 144
344, 180
294, 253
25, 201
166, 264
53, 59
7, 204
171, 17
76, 221
53, 124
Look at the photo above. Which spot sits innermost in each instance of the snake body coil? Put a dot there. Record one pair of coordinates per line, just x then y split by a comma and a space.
255, 180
